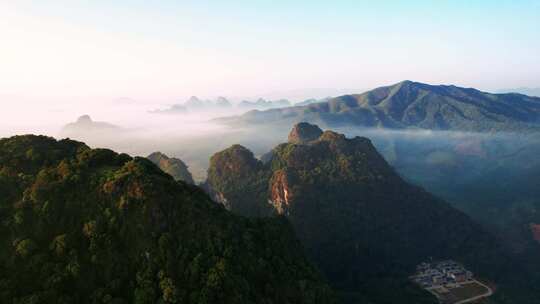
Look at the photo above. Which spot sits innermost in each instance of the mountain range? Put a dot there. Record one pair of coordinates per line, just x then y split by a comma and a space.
262, 103
411, 105
194, 104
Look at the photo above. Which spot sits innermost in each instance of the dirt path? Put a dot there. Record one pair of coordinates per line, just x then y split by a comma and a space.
486, 294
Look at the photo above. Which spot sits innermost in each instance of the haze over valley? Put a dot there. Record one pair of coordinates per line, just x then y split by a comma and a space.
241, 152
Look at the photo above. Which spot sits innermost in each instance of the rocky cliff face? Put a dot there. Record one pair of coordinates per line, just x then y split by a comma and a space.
172, 166
357, 218
280, 193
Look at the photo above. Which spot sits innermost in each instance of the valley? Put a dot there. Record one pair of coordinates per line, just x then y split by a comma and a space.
269, 152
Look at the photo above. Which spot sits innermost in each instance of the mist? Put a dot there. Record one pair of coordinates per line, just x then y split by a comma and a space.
194, 137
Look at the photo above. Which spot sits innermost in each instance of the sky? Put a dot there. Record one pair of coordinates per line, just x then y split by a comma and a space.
85, 52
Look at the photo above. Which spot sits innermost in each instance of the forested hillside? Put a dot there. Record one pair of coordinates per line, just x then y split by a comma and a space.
81, 225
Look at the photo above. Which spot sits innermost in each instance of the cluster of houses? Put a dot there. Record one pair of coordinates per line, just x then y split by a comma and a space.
444, 273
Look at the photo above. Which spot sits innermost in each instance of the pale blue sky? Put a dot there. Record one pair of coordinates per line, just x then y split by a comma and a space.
163, 49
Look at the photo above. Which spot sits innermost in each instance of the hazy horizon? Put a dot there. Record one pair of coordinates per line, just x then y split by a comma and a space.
366, 151
117, 61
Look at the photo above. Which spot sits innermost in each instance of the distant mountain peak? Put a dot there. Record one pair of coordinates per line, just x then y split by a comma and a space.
84, 125
223, 102
84, 119
194, 101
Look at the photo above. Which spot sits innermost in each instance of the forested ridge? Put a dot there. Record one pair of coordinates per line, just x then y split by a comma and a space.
81, 225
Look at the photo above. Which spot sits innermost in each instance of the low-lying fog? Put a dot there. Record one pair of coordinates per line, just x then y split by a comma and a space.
129, 126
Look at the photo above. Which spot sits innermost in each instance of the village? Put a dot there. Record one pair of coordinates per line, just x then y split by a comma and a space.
445, 273
450, 282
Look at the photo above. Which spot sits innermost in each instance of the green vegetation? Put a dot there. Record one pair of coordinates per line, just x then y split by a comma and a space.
412, 105
91, 226
362, 224
172, 166
235, 175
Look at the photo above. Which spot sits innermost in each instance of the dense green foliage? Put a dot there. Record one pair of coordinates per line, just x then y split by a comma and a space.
412, 105
238, 181
91, 226
366, 228
172, 166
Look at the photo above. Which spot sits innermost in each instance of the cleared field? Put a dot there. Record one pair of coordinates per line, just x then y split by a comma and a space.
462, 293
